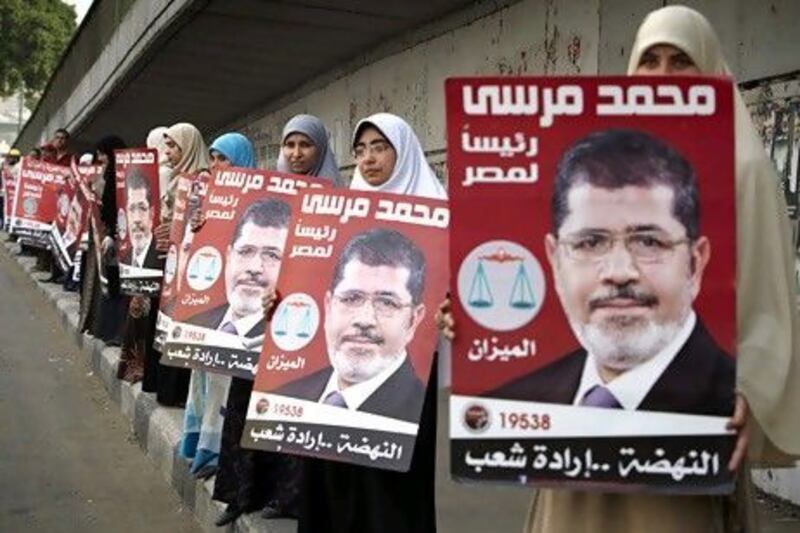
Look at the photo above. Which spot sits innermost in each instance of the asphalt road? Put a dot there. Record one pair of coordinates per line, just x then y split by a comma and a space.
68, 461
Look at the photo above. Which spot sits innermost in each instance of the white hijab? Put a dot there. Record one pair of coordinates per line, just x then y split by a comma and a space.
156, 139
768, 328
411, 175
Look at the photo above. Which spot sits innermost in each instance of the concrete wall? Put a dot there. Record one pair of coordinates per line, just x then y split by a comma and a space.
531, 37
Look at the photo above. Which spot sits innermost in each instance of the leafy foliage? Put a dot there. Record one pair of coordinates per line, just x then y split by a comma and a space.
33, 35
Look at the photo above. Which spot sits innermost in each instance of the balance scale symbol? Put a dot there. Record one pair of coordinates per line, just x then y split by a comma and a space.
520, 297
302, 329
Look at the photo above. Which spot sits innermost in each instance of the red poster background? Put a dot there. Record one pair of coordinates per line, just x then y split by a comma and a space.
177, 230
38, 182
521, 213
217, 233
144, 160
312, 276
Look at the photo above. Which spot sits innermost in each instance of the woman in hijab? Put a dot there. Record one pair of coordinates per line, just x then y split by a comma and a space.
678, 40
202, 422
305, 149
250, 480
185, 153
157, 139
137, 332
104, 314
340, 497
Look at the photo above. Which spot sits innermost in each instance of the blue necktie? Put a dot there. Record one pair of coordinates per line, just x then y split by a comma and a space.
335, 398
599, 396
228, 327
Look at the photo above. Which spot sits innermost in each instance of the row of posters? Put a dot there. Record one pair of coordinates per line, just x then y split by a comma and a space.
588, 250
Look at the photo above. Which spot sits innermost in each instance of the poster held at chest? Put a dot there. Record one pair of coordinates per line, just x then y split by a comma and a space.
595, 310
218, 321
349, 348
190, 189
76, 236
9, 186
137, 188
67, 206
35, 201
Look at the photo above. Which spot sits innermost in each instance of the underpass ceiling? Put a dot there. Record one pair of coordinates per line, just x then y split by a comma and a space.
228, 58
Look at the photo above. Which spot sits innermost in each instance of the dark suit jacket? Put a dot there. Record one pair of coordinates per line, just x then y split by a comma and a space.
400, 396
151, 259
212, 319
700, 380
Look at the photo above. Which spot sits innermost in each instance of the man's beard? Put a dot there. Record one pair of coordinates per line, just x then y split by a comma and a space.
621, 343
356, 366
138, 239
246, 304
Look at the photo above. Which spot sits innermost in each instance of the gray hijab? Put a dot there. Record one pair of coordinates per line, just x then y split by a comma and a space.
314, 129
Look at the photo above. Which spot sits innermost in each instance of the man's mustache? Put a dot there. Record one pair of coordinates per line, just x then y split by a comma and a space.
363, 336
252, 280
624, 292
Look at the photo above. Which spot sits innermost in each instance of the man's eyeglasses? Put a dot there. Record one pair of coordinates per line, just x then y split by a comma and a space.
376, 148
646, 247
269, 256
384, 305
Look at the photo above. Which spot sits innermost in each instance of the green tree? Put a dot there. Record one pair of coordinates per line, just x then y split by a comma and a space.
33, 35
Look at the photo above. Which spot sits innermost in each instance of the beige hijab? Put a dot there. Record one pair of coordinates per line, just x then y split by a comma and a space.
156, 139
194, 157
768, 326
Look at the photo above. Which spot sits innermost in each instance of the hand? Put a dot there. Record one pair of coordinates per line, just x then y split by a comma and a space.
269, 300
739, 422
197, 221
107, 245
444, 319
161, 233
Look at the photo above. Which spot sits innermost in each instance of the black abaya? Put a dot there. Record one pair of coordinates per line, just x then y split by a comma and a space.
343, 498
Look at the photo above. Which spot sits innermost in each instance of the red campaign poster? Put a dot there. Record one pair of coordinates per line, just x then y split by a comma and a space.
350, 346
9, 186
35, 200
593, 260
138, 202
67, 206
217, 319
76, 236
188, 192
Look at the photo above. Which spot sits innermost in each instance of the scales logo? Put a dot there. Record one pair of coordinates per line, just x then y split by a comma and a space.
296, 322
204, 268
501, 285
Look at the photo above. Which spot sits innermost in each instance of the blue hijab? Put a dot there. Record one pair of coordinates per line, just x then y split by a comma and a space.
236, 148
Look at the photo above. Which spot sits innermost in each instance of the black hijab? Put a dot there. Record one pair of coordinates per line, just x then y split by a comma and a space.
108, 211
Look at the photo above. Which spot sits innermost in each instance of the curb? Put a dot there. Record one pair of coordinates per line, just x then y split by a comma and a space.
157, 429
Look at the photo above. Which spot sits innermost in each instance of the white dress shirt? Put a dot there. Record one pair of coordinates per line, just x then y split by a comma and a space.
357, 394
138, 261
631, 387
243, 325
